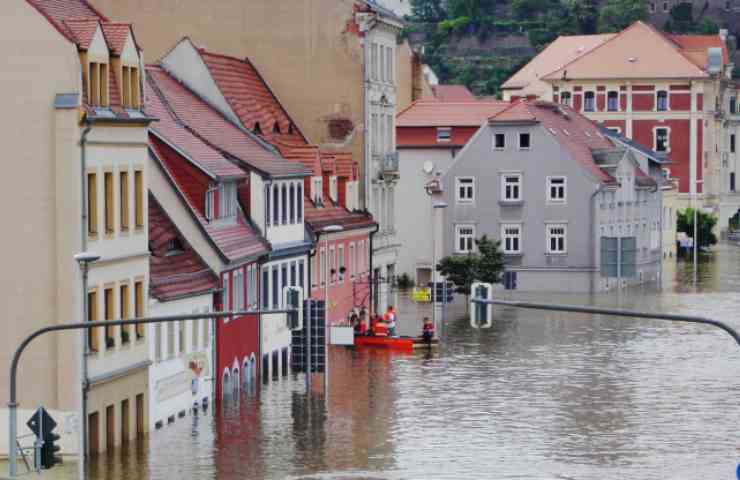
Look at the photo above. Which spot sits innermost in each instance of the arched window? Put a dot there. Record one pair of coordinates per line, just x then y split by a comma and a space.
275, 203
299, 206
246, 372
226, 387
284, 205
292, 203
661, 101
612, 101
235, 384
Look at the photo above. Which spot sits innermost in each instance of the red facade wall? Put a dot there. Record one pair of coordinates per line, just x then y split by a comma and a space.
680, 101
616, 123
190, 179
643, 102
642, 132
600, 102
238, 339
577, 102
350, 292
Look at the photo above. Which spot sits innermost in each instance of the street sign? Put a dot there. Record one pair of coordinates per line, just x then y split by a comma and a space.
41, 422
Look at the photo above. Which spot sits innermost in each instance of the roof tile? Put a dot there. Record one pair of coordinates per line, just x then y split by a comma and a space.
448, 114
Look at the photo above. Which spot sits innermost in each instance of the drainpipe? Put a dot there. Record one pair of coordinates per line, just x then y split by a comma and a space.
85, 307
370, 273
594, 230
366, 122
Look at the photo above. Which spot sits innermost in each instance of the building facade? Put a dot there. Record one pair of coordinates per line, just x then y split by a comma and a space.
671, 97
429, 134
565, 200
87, 156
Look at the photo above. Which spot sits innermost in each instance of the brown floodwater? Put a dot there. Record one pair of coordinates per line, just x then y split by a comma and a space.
537, 396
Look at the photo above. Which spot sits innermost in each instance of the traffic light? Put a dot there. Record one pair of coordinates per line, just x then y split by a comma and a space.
49, 450
481, 314
444, 292
293, 298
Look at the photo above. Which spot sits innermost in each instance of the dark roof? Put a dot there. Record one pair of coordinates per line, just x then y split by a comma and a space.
660, 158
174, 275
213, 128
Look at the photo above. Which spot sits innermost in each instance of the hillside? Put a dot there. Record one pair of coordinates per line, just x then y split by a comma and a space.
480, 43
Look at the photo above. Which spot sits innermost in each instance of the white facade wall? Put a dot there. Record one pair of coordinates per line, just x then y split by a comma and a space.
181, 378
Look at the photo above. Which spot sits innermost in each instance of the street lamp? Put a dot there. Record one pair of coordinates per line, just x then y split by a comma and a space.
84, 259
435, 206
326, 231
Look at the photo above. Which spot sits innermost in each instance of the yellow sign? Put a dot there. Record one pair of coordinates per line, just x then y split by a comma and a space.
421, 294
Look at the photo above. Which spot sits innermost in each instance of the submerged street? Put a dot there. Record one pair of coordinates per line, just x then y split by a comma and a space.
539, 395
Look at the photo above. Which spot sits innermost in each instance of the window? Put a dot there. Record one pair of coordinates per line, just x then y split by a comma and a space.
332, 265
139, 198
227, 200
123, 185
110, 314
139, 307
665, 7
662, 140
382, 63
352, 261
390, 58
465, 238
389, 129
374, 61
589, 102
661, 101
181, 337
628, 257
92, 204
157, 342
556, 239
511, 238
206, 329
130, 87
265, 288
284, 204
512, 188
238, 288
499, 141
465, 190
275, 205
565, 98
651, 7
340, 264
609, 256
108, 202
92, 316
612, 101
292, 203
284, 282
124, 299
171, 326
98, 84
444, 134
732, 143
300, 273
299, 204
275, 288
733, 105
556, 189
524, 141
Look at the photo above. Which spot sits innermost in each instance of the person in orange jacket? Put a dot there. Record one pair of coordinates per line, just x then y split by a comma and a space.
390, 320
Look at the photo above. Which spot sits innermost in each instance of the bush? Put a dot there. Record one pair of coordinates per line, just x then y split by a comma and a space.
405, 282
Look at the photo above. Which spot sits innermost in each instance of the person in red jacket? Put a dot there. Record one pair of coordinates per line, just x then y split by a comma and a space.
427, 331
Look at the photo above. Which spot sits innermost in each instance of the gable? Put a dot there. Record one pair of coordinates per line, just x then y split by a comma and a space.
637, 52
129, 53
98, 50
185, 63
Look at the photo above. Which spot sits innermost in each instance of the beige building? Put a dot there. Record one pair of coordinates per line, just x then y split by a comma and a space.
71, 84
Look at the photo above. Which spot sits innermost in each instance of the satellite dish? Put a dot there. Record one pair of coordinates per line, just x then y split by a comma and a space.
428, 167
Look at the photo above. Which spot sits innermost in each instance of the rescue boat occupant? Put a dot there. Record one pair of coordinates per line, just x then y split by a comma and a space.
427, 330
390, 320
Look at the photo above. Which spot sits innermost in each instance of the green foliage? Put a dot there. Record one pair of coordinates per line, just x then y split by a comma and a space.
457, 25
685, 223
428, 11
525, 9
617, 15
682, 22
486, 265
405, 281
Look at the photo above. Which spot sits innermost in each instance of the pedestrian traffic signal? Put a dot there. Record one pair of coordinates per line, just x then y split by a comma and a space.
293, 299
481, 314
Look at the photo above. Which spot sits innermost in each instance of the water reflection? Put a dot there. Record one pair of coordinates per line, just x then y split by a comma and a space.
539, 395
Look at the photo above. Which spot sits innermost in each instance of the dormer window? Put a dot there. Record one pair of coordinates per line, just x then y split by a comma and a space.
174, 247
97, 86
316, 188
333, 190
130, 93
221, 201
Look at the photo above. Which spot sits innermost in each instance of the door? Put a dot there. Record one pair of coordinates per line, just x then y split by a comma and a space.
140, 415
93, 433
125, 421
110, 427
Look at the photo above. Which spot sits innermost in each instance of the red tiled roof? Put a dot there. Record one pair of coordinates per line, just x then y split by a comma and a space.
116, 35
234, 241
193, 148
207, 123
694, 47
251, 98
573, 131
57, 11
453, 93
320, 217
174, 275
83, 30
448, 114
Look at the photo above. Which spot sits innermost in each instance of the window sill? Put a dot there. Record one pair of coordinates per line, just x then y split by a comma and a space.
513, 254
556, 254
511, 203
559, 202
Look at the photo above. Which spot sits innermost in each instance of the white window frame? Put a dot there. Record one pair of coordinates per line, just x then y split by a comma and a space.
519, 140
470, 238
468, 184
549, 186
332, 265
352, 260
619, 107
520, 184
503, 135
447, 137
668, 138
340, 263
506, 235
549, 228
210, 202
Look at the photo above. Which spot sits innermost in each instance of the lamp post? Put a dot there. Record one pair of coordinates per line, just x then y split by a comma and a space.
435, 206
327, 231
84, 259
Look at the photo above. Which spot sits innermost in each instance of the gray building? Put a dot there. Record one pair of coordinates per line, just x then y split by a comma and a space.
576, 207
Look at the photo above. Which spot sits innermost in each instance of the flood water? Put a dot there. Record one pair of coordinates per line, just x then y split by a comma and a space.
538, 396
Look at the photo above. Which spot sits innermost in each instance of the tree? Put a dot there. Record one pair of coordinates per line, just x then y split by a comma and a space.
485, 265
617, 15
427, 11
685, 223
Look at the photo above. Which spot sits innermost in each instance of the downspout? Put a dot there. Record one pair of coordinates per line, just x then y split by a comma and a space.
595, 230
370, 273
83, 333
366, 123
